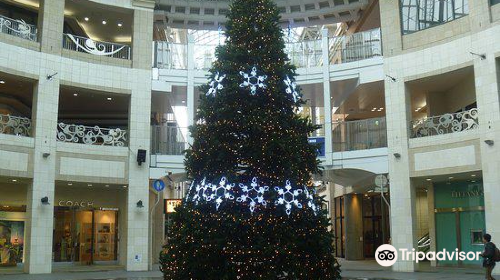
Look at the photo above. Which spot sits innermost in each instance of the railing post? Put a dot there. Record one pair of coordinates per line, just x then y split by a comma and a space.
326, 98
190, 84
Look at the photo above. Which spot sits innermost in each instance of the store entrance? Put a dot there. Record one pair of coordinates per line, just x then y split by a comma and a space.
84, 236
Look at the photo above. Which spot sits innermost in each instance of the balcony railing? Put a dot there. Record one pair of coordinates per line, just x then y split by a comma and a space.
87, 45
18, 28
204, 55
168, 140
15, 125
170, 55
359, 135
444, 124
305, 54
91, 135
355, 47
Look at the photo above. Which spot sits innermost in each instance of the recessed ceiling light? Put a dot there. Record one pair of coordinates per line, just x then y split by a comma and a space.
120, 24
450, 177
107, 186
429, 179
381, 108
86, 19
183, 101
124, 186
109, 98
14, 180
2, 82
104, 22
70, 184
89, 185
75, 94
473, 175
473, 181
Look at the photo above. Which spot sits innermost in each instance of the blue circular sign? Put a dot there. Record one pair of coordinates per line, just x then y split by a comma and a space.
159, 185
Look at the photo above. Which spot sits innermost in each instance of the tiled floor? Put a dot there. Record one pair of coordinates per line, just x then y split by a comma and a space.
359, 270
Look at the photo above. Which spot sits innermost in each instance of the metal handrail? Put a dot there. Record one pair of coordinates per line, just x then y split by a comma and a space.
170, 55
18, 28
100, 48
444, 124
15, 125
355, 47
168, 140
91, 135
359, 134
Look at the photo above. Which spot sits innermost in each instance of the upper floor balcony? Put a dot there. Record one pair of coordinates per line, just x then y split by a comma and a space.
18, 28
302, 54
97, 48
443, 104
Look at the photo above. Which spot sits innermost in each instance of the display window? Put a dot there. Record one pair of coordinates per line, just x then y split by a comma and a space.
11, 242
85, 236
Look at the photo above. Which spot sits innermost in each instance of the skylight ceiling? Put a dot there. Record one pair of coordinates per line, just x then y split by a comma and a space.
209, 15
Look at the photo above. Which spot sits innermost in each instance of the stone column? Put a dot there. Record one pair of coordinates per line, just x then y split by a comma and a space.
403, 214
353, 219
487, 82
390, 19
39, 225
50, 26
326, 98
190, 85
142, 39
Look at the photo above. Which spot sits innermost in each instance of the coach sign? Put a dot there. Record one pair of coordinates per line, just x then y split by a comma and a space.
69, 203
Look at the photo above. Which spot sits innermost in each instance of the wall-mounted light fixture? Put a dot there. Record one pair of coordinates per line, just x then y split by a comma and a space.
45, 200
397, 155
489, 142
46, 155
140, 204
481, 55
391, 77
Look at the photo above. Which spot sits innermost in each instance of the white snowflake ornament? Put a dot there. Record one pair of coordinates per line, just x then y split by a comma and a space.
216, 84
254, 194
292, 89
288, 197
253, 81
310, 200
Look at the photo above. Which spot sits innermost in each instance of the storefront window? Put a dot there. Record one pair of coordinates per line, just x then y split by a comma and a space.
460, 220
84, 236
11, 242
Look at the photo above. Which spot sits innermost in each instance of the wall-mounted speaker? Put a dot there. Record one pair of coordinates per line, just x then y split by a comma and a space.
141, 156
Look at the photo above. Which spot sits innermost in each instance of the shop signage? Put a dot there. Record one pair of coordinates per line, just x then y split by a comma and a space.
170, 205
76, 203
474, 193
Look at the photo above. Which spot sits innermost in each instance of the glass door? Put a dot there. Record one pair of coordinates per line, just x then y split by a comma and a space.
72, 238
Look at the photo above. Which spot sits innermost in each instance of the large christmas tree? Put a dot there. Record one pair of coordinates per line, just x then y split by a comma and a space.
250, 212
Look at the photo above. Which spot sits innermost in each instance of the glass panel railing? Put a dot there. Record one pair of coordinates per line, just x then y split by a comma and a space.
170, 55
87, 45
91, 135
168, 140
305, 54
444, 124
355, 47
15, 125
18, 28
204, 56
359, 135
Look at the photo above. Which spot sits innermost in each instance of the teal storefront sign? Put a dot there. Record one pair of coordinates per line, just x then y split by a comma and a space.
460, 221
